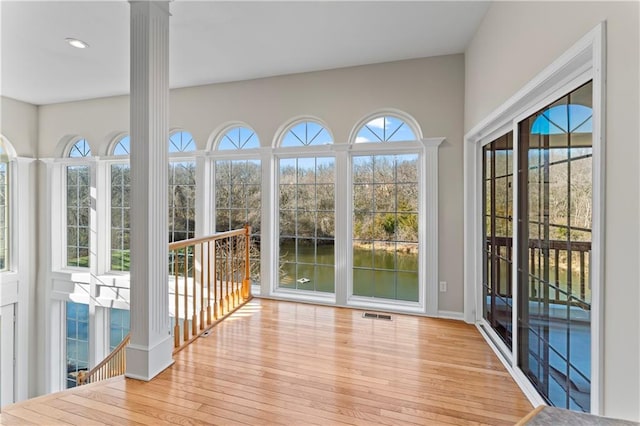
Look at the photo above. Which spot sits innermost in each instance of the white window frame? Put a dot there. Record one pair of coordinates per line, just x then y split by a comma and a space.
426, 148
427, 151
583, 62
64, 162
273, 214
189, 156
205, 199
109, 161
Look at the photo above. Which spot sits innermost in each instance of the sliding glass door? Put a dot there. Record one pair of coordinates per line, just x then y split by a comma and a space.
497, 230
554, 246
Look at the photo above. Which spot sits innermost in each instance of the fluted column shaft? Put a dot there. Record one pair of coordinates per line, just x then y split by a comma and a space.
151, 346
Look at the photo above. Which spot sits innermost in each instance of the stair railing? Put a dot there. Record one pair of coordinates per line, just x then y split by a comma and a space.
115, 364
210, 279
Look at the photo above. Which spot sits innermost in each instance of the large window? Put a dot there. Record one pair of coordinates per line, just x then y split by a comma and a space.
78, 206
385, 216
385, 226
307, 213
498, 229
77, 341
238, 190
182, 187
120, 196
4, 208
555, 209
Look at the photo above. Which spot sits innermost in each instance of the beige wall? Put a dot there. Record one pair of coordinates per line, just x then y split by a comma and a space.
19, 124
515, 42
430, 89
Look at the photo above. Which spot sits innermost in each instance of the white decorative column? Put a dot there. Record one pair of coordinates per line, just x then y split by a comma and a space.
151, 345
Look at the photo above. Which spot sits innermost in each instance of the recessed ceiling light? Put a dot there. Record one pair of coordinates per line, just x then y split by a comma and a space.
76, 43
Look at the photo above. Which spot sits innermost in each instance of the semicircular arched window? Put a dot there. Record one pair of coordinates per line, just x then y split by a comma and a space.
306, 133
123, 146
181, 142
563, 119
385, 128
80, 149
120, 206
78, 206
239, 137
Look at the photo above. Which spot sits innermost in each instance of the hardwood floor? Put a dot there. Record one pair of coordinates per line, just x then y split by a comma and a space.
287, 363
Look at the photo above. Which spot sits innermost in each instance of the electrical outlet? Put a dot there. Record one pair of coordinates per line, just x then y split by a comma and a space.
443, 286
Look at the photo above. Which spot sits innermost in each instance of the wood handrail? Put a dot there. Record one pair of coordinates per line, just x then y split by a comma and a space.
227, 267
217, 236
210, 280
113, 365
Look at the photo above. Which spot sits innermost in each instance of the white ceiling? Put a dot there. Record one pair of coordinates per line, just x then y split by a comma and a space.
218, 41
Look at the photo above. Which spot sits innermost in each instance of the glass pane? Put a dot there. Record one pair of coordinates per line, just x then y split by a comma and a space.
556, 179
386, 240
385, 129
77, 341
306, 216
306, 133
497, 281
239, 138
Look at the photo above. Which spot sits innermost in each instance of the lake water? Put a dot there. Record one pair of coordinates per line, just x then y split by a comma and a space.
378, 272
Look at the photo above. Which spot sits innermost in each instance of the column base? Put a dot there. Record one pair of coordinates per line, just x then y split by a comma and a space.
144, 363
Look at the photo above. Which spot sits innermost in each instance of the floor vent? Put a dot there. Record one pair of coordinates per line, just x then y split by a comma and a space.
376, 316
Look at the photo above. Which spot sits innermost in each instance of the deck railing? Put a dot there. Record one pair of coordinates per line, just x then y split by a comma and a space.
569, 266
210, 279
115, 364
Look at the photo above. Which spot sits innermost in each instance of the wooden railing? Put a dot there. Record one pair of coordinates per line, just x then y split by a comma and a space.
115, 364
569, 266
211, 278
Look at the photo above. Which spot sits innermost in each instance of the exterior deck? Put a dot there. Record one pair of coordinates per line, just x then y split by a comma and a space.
277, 362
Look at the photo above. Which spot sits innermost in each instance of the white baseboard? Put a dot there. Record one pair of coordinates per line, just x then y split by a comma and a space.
451, 315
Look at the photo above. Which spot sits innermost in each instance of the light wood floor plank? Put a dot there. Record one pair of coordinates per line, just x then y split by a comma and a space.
282, 363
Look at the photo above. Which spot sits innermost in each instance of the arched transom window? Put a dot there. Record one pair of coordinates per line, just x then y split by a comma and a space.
306, 133
239, 137
385, 128
181, 142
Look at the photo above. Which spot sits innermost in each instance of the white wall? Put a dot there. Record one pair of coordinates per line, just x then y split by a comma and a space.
19, 124
430, 89
514, 43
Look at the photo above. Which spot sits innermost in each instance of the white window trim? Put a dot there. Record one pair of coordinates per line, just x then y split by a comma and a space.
286, 153
584, 61
427, 149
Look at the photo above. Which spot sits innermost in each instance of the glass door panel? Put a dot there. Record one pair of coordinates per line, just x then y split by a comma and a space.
554, 228
498, 243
